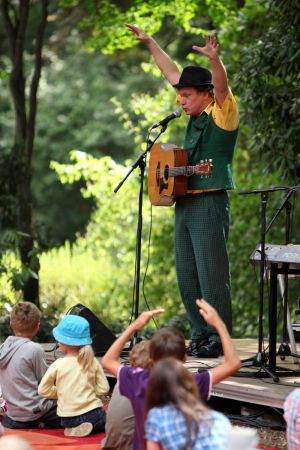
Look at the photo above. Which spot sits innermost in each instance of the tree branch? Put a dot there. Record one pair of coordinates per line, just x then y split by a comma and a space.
10, 29
16, 36
36, 78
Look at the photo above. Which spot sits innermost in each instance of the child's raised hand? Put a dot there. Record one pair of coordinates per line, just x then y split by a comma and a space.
144, 318
208, 313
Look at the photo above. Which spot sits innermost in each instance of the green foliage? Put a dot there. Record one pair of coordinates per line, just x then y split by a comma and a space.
109, 33
10, 267
13, 275
74, 111
105, 20
111, 240
268, 80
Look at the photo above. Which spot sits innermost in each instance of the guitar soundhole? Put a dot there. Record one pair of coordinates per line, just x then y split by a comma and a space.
166, 172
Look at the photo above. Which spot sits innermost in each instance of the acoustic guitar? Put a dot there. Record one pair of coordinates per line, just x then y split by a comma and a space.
168, 173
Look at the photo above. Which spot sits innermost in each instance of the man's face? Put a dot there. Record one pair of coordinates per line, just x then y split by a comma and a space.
192, 101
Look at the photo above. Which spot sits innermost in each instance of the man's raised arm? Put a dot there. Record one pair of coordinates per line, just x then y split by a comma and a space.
218, 71
165, 64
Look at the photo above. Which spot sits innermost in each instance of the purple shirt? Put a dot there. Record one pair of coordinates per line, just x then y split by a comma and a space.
133, 384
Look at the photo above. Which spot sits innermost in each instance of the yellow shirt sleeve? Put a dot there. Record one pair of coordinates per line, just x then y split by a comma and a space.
101, 383
47, 386
227, 115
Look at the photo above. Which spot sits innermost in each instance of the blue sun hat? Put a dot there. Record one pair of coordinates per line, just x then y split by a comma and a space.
73, 330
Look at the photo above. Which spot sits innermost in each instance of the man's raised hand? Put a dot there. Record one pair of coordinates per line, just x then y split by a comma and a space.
140, 34
210, 49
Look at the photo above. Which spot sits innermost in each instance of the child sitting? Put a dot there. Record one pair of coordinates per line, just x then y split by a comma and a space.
22, 366
164, 343
177, 419
120, 415
77, 381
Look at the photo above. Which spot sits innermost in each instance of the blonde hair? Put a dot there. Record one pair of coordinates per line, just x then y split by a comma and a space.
85, 357
24, 317
139, 355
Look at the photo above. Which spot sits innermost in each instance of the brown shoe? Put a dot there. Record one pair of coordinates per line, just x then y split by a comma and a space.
84, 429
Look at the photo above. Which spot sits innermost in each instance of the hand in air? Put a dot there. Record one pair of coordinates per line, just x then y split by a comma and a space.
210, 49
208, 313
145, 317
140, 34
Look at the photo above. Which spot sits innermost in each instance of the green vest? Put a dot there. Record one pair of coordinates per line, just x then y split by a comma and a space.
205, 140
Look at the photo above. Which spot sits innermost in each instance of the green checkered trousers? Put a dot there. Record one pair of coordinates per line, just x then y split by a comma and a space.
201, 233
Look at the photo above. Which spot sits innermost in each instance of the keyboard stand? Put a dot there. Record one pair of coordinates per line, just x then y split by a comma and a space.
288, 321
274, 272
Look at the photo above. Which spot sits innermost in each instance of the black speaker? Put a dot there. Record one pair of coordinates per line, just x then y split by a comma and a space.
101, 335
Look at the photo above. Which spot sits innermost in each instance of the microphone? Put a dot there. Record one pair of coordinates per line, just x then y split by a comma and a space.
167, 119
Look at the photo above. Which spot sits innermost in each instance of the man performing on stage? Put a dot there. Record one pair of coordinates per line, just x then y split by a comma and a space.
202, 216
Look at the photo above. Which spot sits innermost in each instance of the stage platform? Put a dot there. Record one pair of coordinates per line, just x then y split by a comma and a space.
248, 387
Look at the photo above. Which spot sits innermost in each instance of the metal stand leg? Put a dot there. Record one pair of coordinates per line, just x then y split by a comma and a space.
288, 320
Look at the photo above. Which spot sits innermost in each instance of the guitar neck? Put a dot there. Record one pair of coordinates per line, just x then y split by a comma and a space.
179, 171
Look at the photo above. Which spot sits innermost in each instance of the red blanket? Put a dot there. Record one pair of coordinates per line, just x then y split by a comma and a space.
55, 440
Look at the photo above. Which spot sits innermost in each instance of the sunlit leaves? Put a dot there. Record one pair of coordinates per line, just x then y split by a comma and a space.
268, 80
106, 20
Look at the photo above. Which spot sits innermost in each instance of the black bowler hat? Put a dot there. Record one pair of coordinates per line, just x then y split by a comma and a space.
194, 76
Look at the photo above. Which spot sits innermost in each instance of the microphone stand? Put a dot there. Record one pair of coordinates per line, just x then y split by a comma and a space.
260, 359
141, 163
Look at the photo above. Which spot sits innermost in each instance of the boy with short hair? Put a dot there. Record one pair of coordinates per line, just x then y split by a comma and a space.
166, 342
22, 366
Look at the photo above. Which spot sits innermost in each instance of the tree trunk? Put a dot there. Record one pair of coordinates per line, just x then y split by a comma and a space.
15, 16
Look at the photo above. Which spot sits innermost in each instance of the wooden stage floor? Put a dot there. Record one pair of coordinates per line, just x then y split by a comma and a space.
246, 387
